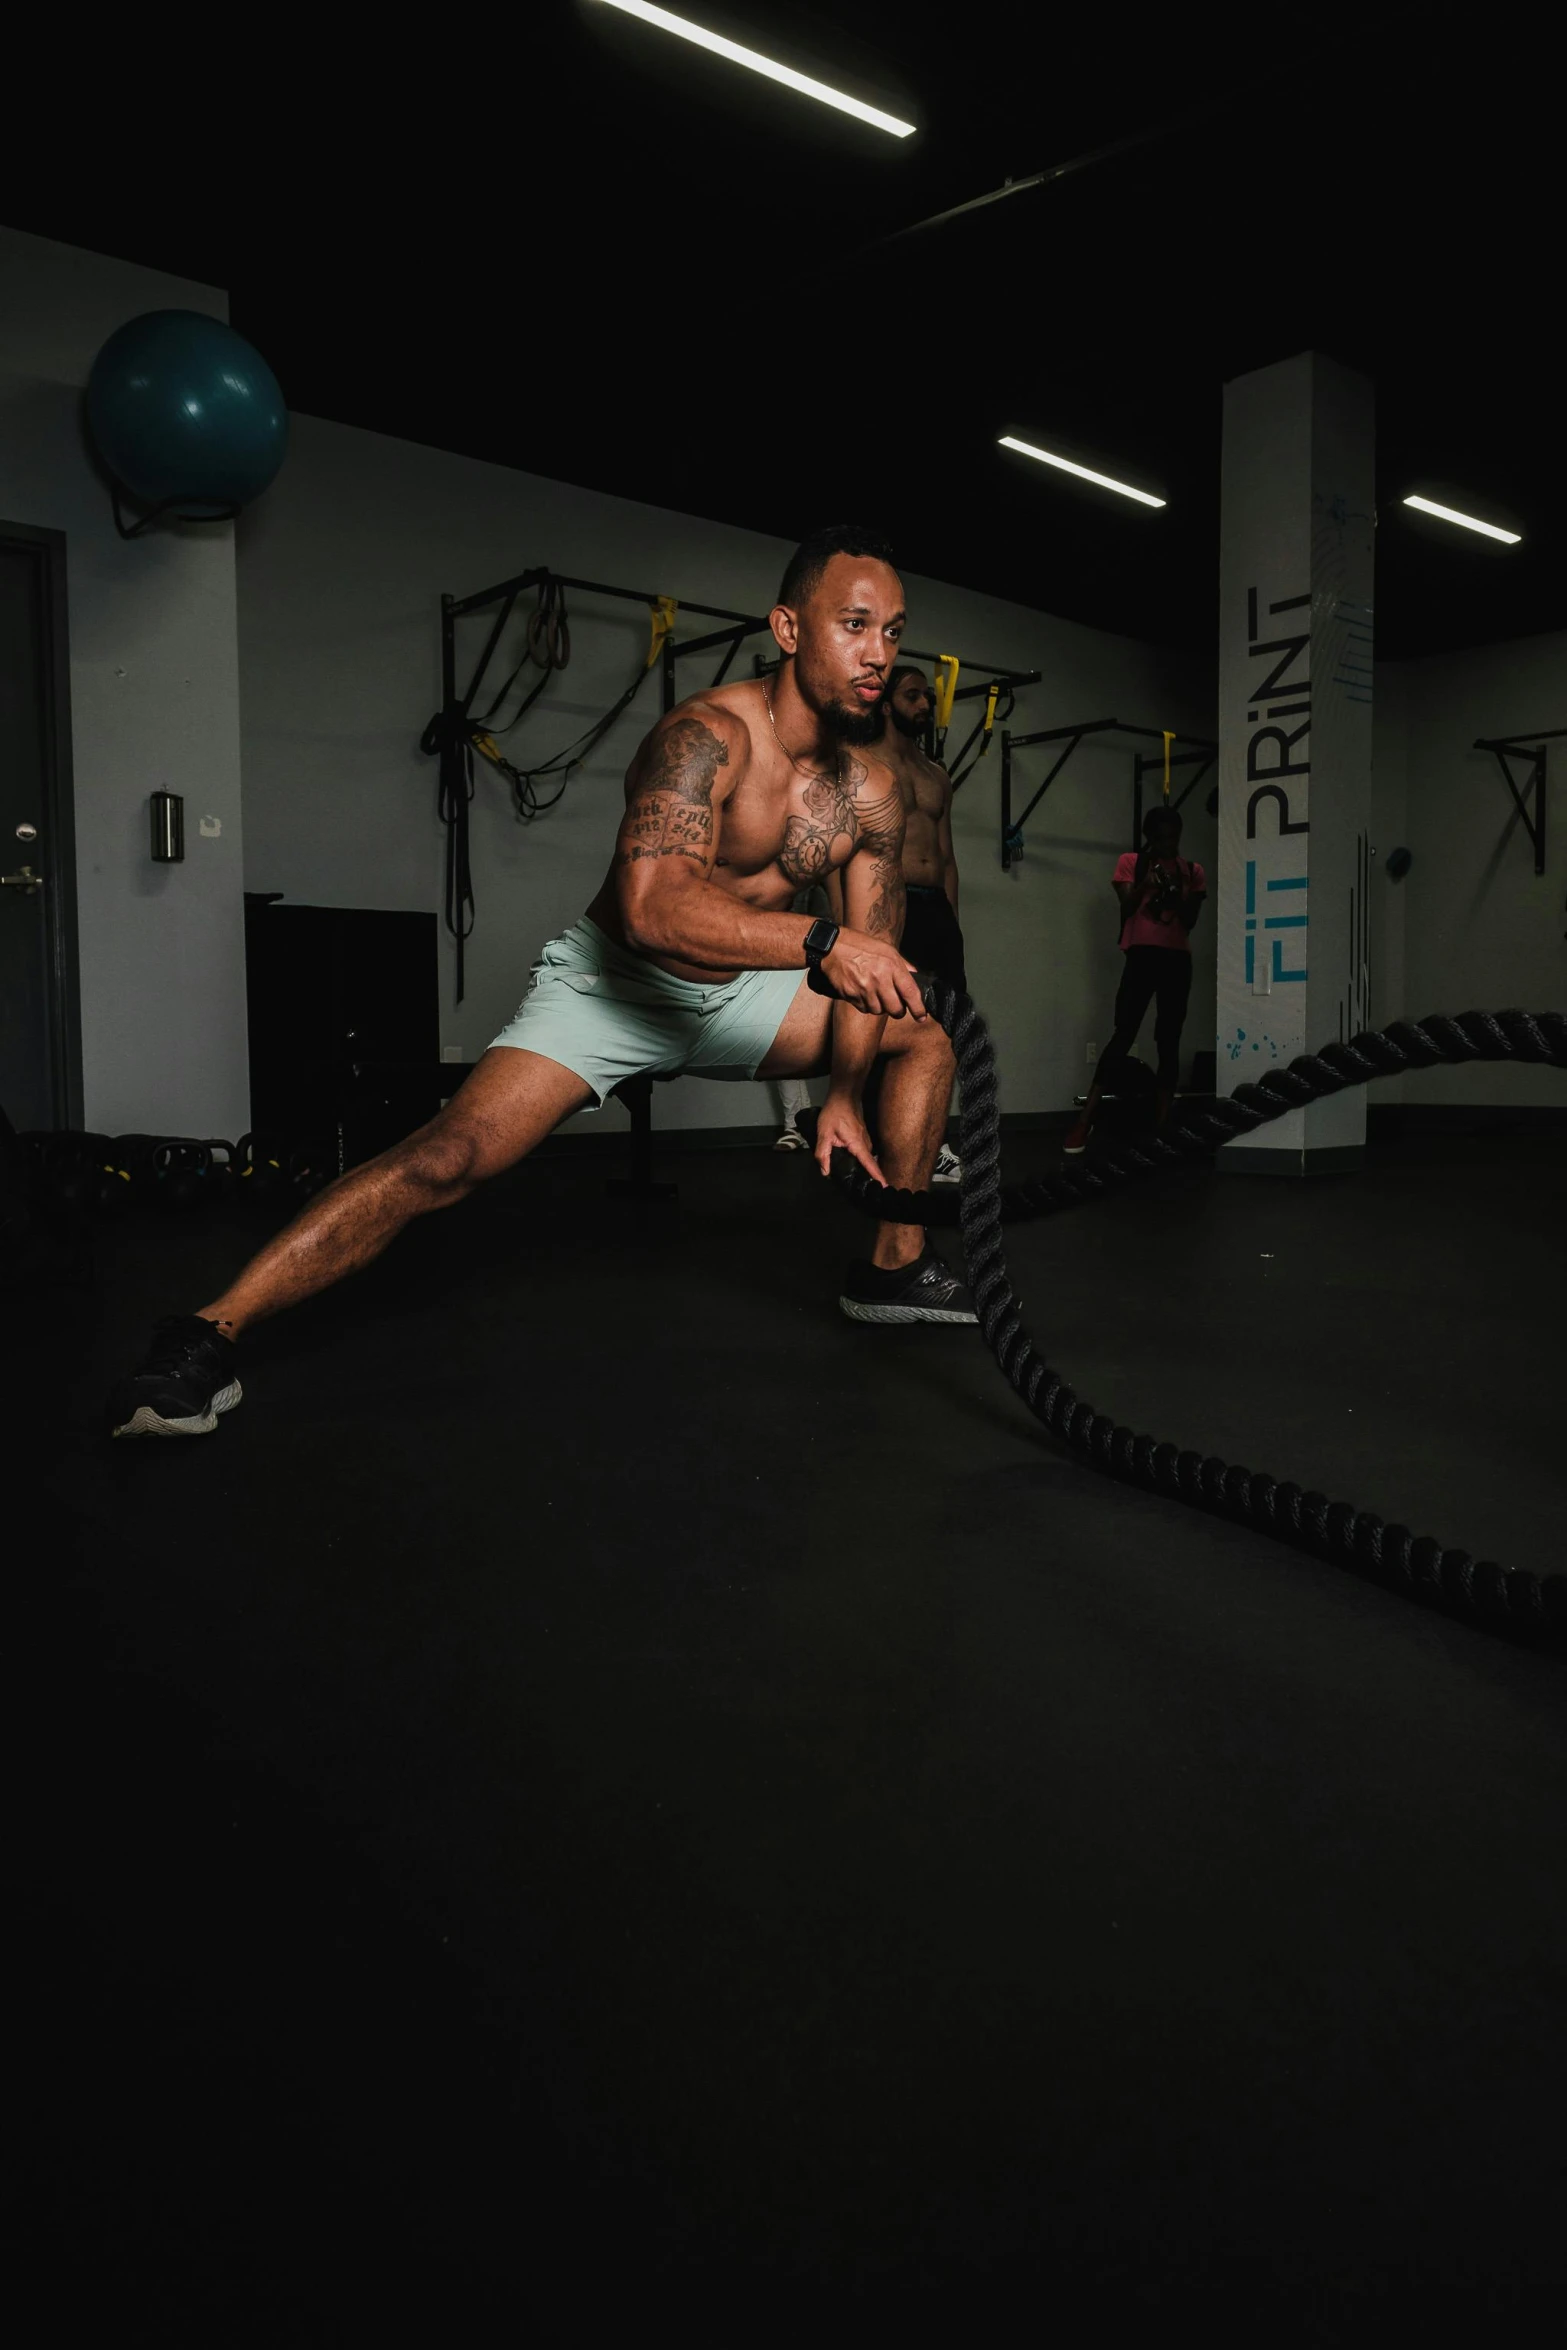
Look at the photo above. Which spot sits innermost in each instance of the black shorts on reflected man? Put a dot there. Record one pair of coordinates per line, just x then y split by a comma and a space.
932, 940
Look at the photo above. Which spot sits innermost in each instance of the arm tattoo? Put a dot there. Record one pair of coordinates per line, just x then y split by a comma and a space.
671, 810
881, 844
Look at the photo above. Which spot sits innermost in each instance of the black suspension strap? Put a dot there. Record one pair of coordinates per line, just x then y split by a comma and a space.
563, 764
447, 738
454, 735
1416, 1566
1000, 702
547, 644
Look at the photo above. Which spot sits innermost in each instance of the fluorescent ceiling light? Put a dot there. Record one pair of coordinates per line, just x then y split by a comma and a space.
1065, 464
1509, 538
786, 74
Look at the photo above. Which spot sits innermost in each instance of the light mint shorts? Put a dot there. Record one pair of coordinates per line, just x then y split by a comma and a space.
607, 1013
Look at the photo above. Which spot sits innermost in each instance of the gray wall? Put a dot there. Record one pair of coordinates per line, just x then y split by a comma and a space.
341, 570
1473, 926
154, 705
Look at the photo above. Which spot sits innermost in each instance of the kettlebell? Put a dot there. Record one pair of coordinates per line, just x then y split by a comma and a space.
131, 1159
112, 1185
220, 1168
72, 1169
179, 1172
258, 1169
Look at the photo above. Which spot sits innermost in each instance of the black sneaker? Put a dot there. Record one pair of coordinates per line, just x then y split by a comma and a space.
187, 1379
926, 1291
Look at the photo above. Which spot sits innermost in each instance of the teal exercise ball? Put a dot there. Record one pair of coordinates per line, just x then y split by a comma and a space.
185, 413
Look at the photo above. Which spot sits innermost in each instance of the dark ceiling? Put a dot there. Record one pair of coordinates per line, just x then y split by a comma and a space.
585, 249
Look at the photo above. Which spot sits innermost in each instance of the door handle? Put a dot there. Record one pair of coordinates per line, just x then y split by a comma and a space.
27, 879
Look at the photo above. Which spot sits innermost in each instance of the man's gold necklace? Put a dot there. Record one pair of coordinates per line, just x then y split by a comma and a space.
837, 774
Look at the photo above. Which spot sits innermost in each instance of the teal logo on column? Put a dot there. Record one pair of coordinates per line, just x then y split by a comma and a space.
1278, 974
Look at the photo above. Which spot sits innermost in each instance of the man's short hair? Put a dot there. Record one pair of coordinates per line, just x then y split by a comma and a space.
902, 669
812, 556
1160, 814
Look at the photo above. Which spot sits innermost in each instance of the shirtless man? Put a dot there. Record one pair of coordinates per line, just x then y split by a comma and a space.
931, 939
684, 962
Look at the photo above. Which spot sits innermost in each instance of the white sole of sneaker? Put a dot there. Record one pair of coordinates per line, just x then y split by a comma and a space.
858, 1313
144, 1421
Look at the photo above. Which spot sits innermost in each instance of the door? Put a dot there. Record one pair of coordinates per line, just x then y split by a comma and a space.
39, 1048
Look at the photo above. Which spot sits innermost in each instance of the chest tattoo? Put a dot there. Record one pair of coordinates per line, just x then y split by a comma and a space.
828, 814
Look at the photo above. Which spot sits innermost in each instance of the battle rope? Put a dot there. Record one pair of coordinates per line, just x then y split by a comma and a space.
1408, 1044
1415, 1565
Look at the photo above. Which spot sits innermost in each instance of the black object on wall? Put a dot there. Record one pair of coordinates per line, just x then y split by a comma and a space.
344, 1025
168, 828
40, 1025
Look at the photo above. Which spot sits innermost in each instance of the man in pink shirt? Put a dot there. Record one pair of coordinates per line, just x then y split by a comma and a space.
1160, 894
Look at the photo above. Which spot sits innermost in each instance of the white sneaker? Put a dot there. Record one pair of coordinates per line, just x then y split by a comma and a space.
791, 1139
948, 1167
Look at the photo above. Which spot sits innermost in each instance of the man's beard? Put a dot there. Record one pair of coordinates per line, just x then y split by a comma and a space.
913, 728
856, 727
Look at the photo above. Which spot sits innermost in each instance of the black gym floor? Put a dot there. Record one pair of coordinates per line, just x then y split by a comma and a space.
606, 1788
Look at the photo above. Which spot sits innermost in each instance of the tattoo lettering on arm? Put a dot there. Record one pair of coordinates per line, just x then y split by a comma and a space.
670, 813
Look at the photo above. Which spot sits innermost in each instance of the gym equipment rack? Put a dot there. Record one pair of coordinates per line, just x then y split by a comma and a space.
1201, 754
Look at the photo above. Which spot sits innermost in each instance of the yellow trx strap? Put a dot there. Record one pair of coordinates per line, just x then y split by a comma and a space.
946, 687
662, 613
1168, 739
991, 699
487, 747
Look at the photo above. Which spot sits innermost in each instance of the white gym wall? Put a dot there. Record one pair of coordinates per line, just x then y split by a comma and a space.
154, 707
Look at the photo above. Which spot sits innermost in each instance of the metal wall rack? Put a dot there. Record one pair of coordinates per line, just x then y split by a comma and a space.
1198, 753
739, 626
1527, 743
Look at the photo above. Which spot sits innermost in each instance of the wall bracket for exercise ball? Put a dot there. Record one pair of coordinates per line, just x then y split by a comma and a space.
168, 510
187, 418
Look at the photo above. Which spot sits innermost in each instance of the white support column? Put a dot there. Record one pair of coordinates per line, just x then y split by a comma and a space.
1295, 584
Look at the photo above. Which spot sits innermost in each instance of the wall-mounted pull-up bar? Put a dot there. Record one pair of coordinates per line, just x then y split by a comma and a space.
1528, 743
1197, 753
669, 651
731, 638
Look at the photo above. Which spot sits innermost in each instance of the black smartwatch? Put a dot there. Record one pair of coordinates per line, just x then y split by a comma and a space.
820, 940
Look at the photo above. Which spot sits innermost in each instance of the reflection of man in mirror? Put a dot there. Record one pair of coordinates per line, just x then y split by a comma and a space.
932, 939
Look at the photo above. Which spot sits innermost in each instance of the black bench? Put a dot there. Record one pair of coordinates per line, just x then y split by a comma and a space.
637, 1094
